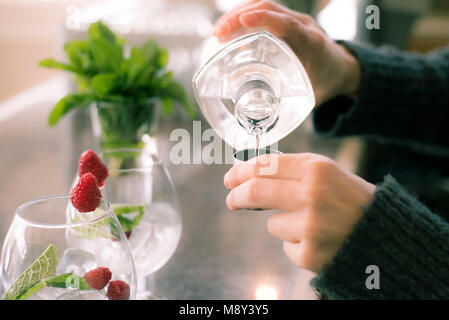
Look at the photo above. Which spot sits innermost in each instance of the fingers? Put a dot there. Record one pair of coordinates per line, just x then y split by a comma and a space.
234, 9
230, 22
265, 194
277, 23
285, 226
285, 166
293, 250
306, 256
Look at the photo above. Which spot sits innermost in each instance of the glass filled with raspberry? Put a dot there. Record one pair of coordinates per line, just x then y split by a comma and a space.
47, 256
144, 200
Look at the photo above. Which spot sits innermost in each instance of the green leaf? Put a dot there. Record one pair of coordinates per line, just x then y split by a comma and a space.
175, 90
190, 107
107, 56
166, 80
30, 291
135, 65
50, 63
67, 103
167, 106
84, 83
68, 280
144, 77
99, 229
119, 144
103, 73
150, 49
129, 216
104, 83
79, 55
42, 268
142, 63
162, 58
99, 30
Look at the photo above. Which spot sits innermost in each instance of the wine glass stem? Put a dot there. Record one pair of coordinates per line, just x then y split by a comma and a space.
144, 282
141, 283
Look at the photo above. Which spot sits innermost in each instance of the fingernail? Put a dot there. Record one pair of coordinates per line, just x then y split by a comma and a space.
228, 201
226, 179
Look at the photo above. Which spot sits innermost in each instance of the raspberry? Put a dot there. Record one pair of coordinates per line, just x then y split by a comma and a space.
90, 162
85, 196
98, 278
118, 290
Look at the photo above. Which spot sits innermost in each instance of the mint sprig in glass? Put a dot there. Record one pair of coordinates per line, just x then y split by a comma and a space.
144, 200
129, 91
46, 256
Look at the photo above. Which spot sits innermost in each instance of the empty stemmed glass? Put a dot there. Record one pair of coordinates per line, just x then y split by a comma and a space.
46, 256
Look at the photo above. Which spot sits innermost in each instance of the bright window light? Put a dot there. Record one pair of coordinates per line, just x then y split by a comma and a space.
339, 19
226, 5
266, 292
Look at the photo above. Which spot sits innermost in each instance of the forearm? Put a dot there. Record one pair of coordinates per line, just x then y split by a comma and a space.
408, 243
402, 98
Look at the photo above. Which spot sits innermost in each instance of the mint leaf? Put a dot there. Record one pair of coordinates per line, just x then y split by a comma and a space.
129, 216
173, 89
99, 30
67, 103
135, 65
162, 58
107, 56
104, 83
50, 63
42, 268
68, 280
99, 229
79, 56
167, 106
104, 74
150, 49
144, 76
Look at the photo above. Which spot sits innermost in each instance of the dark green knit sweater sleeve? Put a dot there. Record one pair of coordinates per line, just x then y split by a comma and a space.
404, 239
404, 98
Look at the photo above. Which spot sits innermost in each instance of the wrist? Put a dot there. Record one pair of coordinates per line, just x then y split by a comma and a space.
352, 74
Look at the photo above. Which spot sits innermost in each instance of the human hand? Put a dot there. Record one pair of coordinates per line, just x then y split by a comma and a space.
320, 202
331, 68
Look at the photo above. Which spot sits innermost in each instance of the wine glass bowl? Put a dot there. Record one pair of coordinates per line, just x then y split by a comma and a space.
144, 199
47, 252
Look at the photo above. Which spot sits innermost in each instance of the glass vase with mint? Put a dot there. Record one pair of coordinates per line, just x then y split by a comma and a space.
127, 87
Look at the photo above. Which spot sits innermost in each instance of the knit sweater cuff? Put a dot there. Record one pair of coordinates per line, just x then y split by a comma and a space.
380, 76
408, 243
347, 116
400, 100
